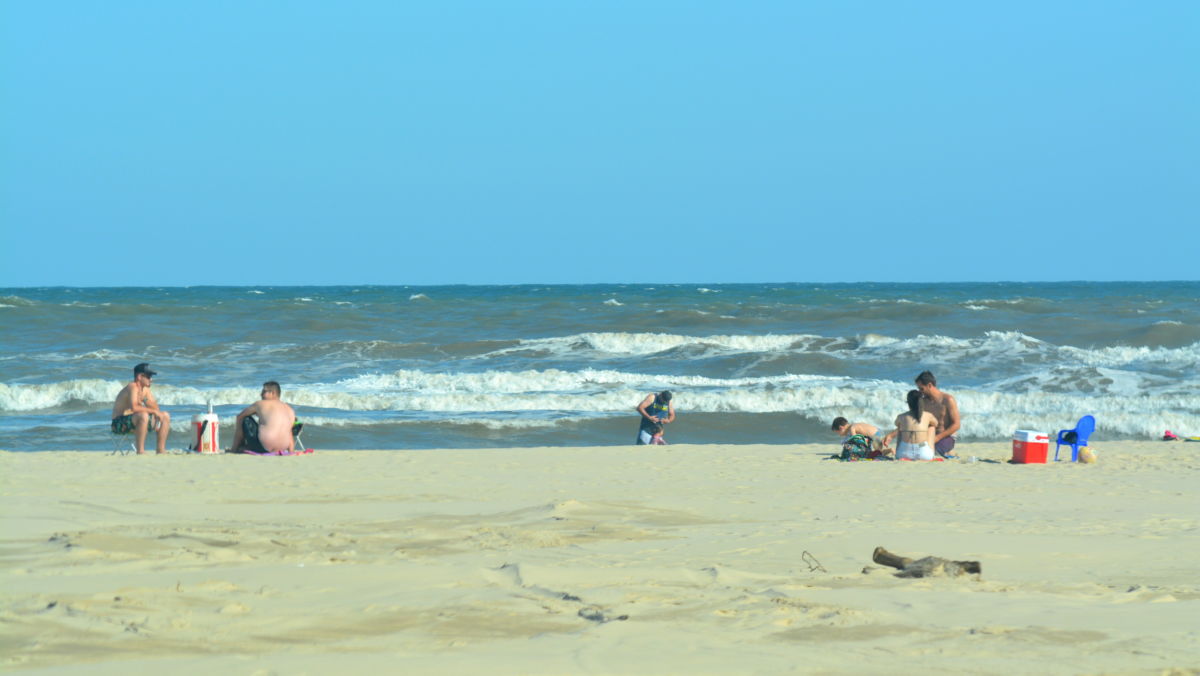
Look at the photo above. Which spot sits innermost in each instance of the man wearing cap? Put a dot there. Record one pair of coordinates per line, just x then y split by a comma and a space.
656, 409
135, 409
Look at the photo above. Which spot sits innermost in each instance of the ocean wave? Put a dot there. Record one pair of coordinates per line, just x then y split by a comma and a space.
994, 346
16, 301
1048, 399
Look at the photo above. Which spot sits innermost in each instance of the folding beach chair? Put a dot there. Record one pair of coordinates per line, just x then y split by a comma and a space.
1076, 437
122, 442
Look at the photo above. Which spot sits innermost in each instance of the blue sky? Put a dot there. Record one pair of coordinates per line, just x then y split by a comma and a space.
179, 143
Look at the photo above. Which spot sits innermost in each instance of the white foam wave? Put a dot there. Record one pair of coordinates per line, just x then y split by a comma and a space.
651, 343
613, 301
418, 296
993, 347
502, 400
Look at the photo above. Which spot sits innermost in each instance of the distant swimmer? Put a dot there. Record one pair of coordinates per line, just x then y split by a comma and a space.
272, 431
656, 409
135, 410
944, 408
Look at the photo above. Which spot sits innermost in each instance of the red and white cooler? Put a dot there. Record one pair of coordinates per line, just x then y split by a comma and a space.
1030, 447
207, 432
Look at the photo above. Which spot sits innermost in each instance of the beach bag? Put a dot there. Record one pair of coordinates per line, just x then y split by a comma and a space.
857, 447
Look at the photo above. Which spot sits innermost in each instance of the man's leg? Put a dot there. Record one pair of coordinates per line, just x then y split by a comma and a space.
250, 440
237, 438
141, 425
164, 428
944, 448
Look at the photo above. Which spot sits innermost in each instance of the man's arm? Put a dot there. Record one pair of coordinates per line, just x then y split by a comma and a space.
955, 421
250, 410
670, 414
142, 401
642, 408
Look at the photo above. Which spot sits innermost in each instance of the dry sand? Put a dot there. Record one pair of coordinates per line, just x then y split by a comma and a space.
651, 560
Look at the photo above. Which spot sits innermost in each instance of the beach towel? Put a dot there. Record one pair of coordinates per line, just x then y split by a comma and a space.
856, 448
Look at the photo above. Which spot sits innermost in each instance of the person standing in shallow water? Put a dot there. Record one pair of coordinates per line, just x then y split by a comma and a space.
656, 410
944, 409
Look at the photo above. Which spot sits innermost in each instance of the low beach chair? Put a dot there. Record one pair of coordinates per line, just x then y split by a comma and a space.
1075, 438
298, 427
122, 442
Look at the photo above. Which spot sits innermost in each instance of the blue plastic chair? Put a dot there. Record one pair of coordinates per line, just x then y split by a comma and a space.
1083, 430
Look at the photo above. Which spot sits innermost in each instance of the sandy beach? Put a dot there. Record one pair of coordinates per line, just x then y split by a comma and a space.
721, 559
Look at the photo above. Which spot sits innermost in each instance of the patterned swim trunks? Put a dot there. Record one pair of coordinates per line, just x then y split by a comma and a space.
123, 425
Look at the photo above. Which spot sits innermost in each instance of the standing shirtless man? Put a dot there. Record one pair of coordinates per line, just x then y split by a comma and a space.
272, 433
134, 409
944, 408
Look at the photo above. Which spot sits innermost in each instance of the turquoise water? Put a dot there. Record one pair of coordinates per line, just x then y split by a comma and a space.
497, 366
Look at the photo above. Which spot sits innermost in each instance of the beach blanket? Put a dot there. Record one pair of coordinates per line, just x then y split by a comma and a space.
304, 451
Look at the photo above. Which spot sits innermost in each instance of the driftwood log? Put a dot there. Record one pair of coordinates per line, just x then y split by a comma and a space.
929, 566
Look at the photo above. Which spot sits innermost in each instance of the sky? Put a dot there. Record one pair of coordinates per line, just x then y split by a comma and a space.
357, 142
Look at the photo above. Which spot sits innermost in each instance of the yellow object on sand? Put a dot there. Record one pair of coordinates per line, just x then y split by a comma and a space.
1087, 455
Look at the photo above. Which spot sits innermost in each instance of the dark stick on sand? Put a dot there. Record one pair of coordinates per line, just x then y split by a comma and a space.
926, 567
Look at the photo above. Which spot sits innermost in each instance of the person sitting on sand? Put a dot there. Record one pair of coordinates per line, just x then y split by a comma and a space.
656, 436
136, 410
272, 432
656, 409
944, 409
916, 429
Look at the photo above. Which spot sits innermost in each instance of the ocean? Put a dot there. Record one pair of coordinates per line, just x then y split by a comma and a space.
399, 367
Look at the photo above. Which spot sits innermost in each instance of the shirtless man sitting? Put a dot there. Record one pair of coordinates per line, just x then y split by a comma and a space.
135, 407
272, 432
944, 408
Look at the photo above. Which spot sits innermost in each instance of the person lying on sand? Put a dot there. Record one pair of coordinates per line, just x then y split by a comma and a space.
135, 410
846, 429
272, 432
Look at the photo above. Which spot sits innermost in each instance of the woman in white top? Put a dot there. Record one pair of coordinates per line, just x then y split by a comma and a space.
916, 429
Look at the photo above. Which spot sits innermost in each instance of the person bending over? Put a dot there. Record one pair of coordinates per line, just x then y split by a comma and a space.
272, 432
135, 410
656, 409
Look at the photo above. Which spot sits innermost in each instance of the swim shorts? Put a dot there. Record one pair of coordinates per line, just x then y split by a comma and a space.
944, 447
123, 425
250, 440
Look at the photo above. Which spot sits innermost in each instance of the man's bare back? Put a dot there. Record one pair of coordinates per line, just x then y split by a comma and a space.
275, 420
274, 428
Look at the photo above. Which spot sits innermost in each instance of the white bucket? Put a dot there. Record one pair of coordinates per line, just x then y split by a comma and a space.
207, 433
